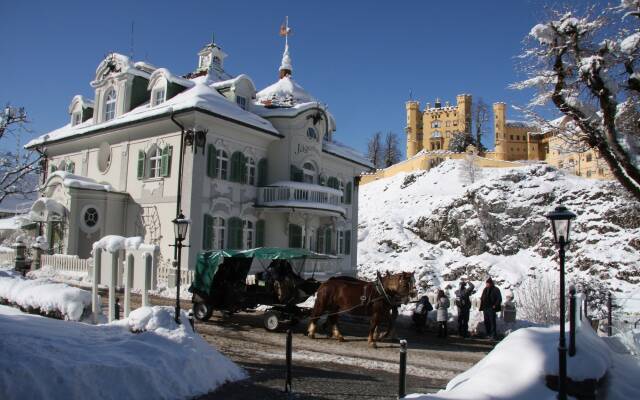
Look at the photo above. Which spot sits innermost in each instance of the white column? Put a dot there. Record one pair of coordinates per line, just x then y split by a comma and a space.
113, 281
128, 281
95, 299
148, 271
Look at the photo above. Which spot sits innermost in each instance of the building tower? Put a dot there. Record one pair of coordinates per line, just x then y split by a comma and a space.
413, 128
499, 119
464, 109
286, 67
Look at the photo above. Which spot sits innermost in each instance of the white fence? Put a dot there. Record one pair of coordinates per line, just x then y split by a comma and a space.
62, 262
8, 257
165, 271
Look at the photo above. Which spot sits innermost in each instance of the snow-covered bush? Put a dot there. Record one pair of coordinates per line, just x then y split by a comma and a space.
538, 300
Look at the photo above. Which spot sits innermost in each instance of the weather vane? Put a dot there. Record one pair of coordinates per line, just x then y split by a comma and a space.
285, 30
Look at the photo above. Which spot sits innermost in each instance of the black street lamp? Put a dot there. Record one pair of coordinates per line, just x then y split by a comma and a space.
180, 227
560, 219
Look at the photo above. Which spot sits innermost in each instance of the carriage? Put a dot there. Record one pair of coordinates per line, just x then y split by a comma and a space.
230, 281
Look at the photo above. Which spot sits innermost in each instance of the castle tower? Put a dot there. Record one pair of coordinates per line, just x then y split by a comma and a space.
499, 120
413, 128
464, 111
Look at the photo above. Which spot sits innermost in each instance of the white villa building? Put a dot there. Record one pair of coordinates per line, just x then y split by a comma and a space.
259, 168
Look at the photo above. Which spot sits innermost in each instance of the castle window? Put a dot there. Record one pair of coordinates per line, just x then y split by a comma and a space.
435, 124
110, 105
448, 123
511, 137
455, 123
601, 171
589, 157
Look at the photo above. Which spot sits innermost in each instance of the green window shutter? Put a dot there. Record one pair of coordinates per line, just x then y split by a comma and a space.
347, 242
165, 162
295, 236
262, 172
141, 157
207, 233
237, 166
260, 233
328, 245
348, 193
211, 161
234, 238
53, 169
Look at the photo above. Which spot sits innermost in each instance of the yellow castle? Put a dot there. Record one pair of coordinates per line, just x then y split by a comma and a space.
517, 143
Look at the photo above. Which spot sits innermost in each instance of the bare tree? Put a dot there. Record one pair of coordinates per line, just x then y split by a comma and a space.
480, 115
586, 65
18, 168
470, 171
538, 300
374, 149
391, 151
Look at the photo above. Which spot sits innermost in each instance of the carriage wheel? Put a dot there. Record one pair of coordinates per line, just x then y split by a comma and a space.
271, 321
202, 311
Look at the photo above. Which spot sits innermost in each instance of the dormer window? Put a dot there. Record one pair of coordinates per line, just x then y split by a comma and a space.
159, 96
110, 105
242, 102
76, 118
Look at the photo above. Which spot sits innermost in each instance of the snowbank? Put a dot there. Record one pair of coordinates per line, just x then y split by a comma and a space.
44, 295
517, 366
76, 360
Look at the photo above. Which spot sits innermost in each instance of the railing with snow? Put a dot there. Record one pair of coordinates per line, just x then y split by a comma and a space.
165, 271
294, 194
7, 257
63, 262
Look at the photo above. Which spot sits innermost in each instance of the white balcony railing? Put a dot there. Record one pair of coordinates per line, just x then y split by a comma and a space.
304, 195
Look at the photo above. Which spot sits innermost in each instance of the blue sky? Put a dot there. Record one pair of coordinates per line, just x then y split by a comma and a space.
360, 57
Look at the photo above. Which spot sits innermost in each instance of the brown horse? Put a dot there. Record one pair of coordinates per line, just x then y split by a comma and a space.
349, 295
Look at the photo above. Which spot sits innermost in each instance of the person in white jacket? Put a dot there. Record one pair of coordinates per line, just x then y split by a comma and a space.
442, 316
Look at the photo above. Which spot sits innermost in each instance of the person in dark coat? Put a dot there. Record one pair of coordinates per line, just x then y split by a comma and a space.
490, 305
463, 303
421, 312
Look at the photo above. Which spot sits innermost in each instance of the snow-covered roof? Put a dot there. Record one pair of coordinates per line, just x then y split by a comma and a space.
231, 82
520, 123
13, 223
286, 63
170, 77
84, 103
284, 93
80, 182
346, 152
200, 96
119, 64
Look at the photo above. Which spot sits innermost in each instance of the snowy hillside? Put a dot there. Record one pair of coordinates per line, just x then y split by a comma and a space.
436, 225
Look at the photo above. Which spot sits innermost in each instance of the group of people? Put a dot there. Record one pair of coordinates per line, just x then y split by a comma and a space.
490, 305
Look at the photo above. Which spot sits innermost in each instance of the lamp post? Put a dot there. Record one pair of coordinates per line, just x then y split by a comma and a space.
560, 219
181, 227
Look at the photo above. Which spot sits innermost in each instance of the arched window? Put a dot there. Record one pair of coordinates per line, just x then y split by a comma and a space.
249, 234
155, 162
309, 173
333, 182
250, 167
295, 236
262, 172
159, 96
110, 105
312, 134
238, 167
222, 165
234, 233
219, 233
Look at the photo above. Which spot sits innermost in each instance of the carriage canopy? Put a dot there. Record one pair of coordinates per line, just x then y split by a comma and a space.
208, 262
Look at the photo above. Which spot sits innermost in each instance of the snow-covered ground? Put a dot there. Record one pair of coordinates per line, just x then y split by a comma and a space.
144, 356
517, 367
442, 227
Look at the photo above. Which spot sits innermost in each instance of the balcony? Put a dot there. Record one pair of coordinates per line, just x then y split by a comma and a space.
301, 195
